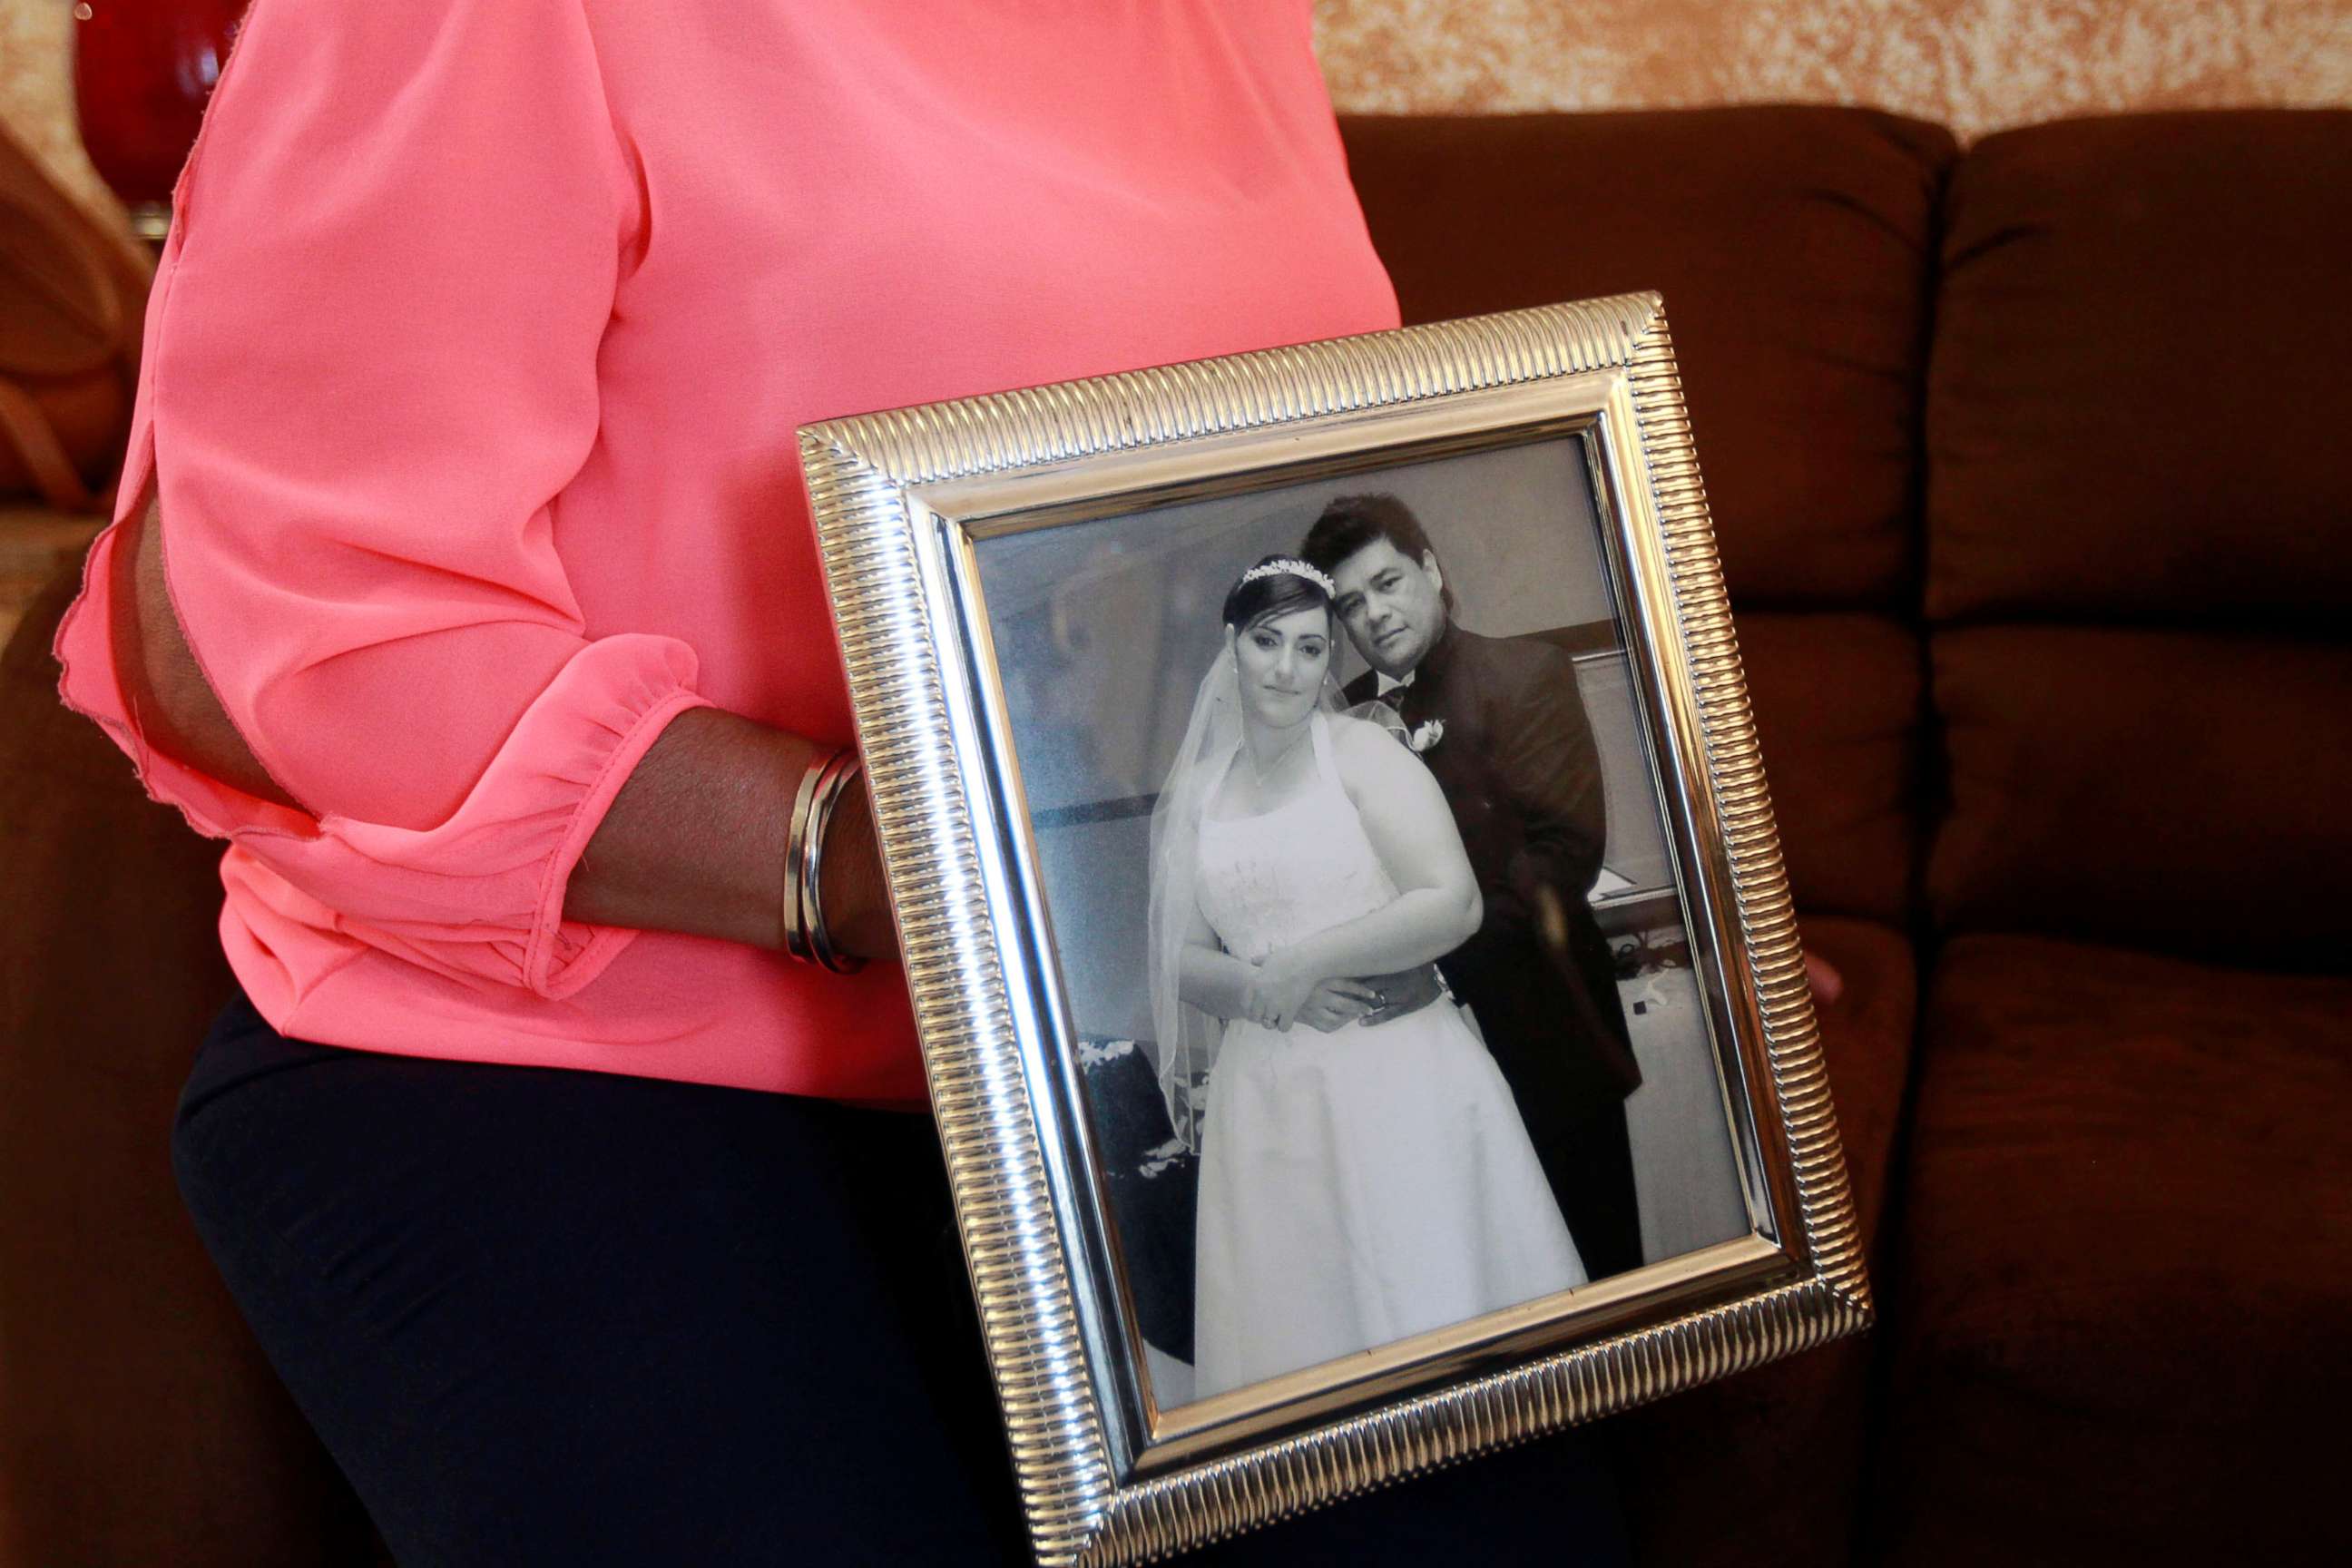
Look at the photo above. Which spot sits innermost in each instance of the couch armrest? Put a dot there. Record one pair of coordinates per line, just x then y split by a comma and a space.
144, 1424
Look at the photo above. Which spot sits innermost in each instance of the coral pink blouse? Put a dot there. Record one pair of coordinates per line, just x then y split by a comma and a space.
472, 372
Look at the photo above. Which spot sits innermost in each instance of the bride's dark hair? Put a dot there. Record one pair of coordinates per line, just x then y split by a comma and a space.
1262, 595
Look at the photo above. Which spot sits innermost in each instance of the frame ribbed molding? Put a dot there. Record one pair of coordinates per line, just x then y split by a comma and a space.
858, 471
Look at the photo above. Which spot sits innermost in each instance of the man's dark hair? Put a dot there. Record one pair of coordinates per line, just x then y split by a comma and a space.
1351, 522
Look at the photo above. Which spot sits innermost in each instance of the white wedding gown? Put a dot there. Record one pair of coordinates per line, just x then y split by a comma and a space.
1359, 1186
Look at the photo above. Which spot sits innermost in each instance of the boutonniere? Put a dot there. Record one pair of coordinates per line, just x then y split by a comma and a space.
1426, 733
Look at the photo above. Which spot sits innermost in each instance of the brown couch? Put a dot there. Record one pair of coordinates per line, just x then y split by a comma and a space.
2024, 465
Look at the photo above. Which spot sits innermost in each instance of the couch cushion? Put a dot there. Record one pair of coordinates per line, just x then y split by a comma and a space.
142, 1425
2125, 1265
1837, 702
2138, 397
1795, 249
1764, 1467
2173, 789
35, 544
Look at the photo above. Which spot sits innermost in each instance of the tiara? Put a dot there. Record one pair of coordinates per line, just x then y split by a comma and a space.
1288, 567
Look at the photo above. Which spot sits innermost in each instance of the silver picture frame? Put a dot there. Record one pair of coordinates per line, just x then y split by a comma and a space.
905, 501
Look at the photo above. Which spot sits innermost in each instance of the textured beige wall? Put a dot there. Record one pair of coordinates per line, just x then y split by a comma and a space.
1974, 65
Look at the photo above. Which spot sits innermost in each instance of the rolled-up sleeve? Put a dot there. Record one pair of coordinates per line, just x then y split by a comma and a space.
371, 373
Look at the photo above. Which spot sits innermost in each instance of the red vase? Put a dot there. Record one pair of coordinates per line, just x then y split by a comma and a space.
142, 70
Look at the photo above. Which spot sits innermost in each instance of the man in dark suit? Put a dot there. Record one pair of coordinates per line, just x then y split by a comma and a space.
1500, 723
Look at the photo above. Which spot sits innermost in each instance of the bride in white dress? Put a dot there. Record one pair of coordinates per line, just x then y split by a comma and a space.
1364, 1175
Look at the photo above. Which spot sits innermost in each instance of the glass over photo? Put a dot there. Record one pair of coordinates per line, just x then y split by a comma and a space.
1365, 913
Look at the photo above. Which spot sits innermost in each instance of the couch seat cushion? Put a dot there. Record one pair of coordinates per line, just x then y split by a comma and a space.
1763, 1469
2126, 1264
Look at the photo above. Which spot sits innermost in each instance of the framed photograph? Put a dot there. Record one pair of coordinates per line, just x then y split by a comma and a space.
1355, 970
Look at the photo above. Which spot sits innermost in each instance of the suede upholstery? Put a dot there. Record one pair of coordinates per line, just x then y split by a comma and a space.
2139, 1361
1837, 700
2126, 1241
2022, 461
2138, 402
142, 1424
2074, 749
1828, 214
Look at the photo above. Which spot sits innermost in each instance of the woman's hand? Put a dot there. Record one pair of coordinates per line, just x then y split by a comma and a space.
1336, 1004
1278, 992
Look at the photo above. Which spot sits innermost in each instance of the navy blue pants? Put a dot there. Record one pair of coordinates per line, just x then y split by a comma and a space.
543, 1317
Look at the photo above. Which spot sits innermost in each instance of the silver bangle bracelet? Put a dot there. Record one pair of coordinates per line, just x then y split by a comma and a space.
807, 935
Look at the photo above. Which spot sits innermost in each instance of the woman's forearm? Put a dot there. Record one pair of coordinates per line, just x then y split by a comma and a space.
1415, 928
695, 842
177, 712
1213, 981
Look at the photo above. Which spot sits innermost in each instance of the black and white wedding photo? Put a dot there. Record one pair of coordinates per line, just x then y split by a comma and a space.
1362, 906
